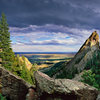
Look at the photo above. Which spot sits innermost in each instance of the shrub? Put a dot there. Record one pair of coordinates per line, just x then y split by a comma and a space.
92, 77
2, 97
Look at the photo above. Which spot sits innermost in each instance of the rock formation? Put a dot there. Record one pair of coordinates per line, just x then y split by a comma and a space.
93, 40
62, 89
85, 53
26, 62
11, 86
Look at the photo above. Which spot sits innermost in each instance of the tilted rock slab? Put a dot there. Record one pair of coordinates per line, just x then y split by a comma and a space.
11, 86
63, 89
84, 54
26, 62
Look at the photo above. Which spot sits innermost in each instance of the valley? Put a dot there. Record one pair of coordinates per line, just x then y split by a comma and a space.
44, 60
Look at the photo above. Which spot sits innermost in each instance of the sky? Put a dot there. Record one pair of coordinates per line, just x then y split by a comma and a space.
50, 25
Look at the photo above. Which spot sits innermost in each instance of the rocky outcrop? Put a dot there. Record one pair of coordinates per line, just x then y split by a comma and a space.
93, 40
62, 89
25, 61
11, 86
85, 53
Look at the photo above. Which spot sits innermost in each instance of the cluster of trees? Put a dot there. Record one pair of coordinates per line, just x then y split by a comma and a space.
60, 67
19, 68
9, 60
92, 74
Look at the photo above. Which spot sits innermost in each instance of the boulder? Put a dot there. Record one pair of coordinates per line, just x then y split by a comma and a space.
11, 86
62, 89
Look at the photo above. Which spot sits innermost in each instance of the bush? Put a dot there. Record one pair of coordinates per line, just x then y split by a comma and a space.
92, 77
2, 98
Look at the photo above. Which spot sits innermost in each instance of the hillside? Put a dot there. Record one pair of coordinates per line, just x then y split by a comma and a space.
78, 63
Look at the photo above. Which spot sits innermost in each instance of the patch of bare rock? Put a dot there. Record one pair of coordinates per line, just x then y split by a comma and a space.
63, 89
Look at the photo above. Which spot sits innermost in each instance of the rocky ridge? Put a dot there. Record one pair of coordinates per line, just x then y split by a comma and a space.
26, 62
84, 54
93, 40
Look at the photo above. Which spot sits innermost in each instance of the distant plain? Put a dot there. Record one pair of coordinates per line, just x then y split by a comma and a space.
47, 59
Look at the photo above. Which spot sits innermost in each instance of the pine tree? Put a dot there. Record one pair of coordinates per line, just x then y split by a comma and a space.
7, 54
9, 60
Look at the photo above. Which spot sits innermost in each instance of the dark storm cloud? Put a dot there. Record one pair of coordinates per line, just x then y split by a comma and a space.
70, 13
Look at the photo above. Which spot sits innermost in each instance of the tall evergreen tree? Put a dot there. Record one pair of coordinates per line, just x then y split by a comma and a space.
9, 60
5, 42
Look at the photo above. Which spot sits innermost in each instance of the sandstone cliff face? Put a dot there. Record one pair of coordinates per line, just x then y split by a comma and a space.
12, 86
62, 89
26, 62
93, 40
85, 53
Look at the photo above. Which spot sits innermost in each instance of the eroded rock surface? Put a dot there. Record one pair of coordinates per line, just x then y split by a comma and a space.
26, 62
12, 86
63, 89
91, 41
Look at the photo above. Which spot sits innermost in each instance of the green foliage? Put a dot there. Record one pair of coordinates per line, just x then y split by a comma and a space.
60, 67
9, 60
92, 77
7, 54
21, 70
55, 68
89, 78
68, 74
2, 98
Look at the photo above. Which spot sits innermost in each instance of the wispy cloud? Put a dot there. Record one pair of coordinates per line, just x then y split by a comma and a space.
49, 35
45, 48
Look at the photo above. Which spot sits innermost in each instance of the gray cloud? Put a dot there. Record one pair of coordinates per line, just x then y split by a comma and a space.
71, 13
47, 23
50, 35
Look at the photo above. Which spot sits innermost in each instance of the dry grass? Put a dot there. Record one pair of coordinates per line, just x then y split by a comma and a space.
42, 66
48, 58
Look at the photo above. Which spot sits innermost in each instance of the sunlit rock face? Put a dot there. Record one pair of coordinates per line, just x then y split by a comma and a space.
63, 89
93, 40
26, 62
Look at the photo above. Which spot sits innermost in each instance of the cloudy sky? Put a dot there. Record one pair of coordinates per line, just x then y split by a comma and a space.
50, 25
